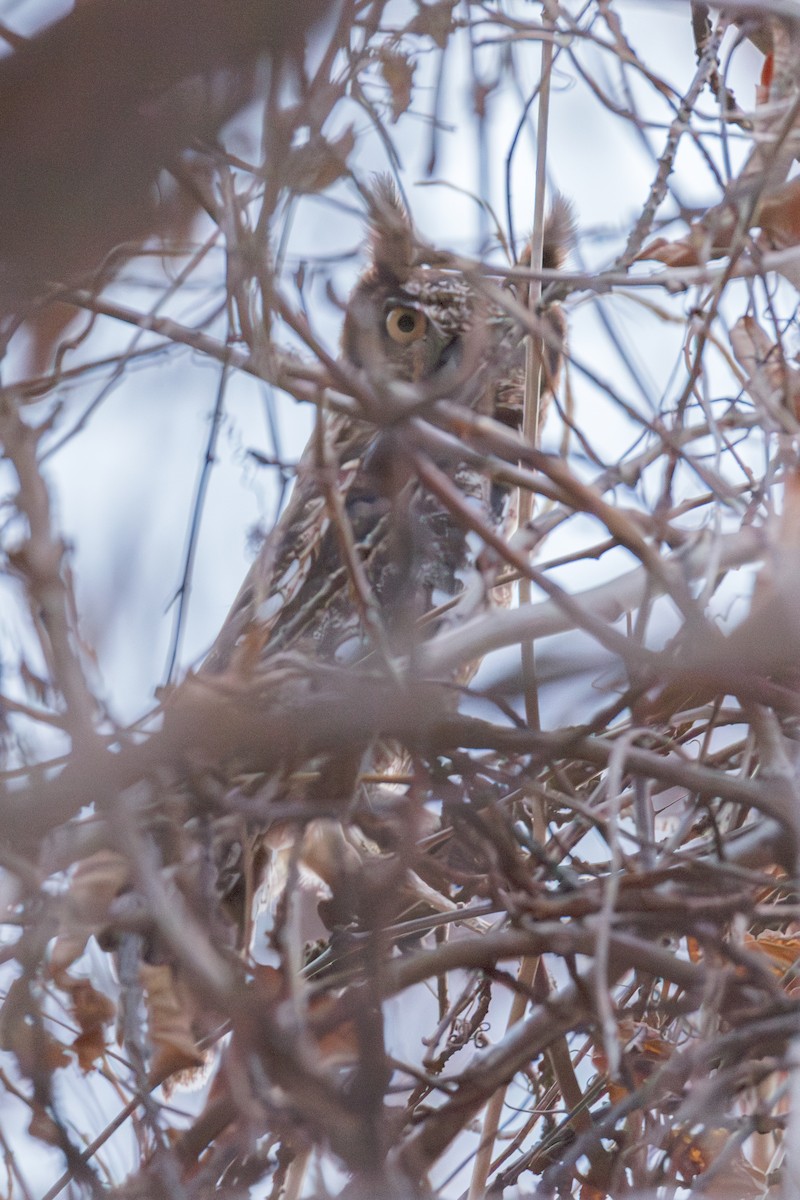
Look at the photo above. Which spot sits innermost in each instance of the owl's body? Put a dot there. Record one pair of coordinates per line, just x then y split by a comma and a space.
365, 562
363, 553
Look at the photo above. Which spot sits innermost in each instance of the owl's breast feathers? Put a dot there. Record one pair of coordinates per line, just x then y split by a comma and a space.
363, 554
300, 594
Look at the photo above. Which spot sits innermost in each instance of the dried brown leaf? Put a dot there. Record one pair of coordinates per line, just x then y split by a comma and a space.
92, 1011
783, 952
759, 358
688, 1156
434, 21
672, 254
397, 70
43, 1128
317, 164
97, 880
645, 1050
692, 1155
169, 1022
67, 948
778, 214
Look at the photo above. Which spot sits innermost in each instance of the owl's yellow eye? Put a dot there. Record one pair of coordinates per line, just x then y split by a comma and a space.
405, 325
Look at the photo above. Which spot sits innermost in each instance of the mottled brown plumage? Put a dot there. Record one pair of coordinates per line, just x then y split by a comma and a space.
364, 554
408, 322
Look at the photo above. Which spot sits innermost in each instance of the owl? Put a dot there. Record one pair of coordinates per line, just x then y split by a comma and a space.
363, 558
366, 563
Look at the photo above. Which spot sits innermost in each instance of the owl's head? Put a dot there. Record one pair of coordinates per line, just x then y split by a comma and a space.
410, 320
407, 319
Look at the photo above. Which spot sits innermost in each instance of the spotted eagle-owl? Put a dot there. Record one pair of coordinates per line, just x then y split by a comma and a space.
365, 562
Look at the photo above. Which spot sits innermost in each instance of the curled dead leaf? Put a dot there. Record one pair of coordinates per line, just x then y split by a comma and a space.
644, 1051
672, 254
775, 211
397, 70
783, 952
692, 1154
96, 881
92, 1011
778, 214
769, 378
317, 164
169, 1021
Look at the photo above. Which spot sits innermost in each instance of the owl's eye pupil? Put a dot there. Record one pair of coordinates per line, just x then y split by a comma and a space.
405, 325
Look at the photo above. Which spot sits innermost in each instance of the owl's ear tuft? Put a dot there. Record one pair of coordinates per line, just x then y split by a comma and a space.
391, 233
560, 233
